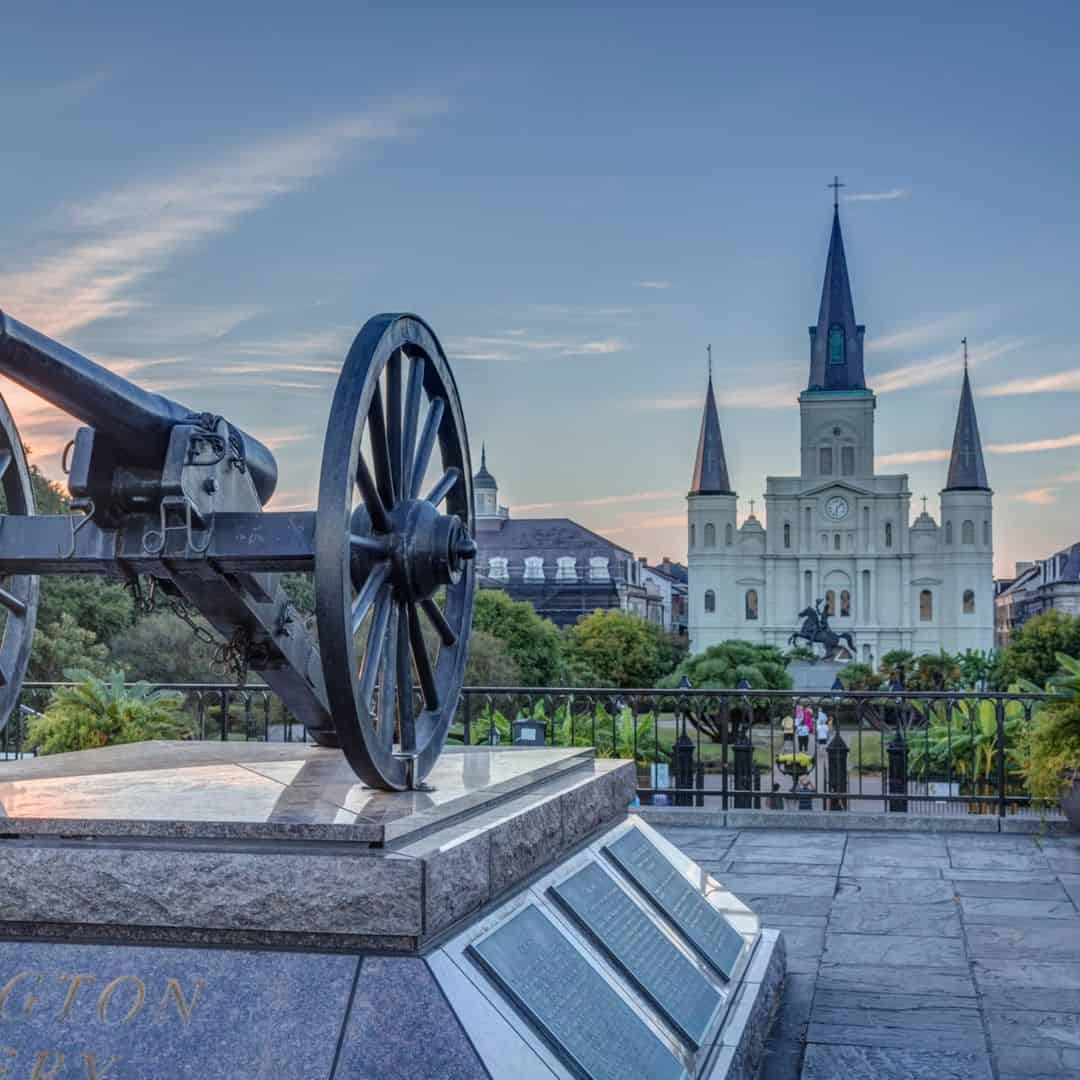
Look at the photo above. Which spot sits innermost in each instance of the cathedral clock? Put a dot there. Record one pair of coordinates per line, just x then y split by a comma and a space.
837, 508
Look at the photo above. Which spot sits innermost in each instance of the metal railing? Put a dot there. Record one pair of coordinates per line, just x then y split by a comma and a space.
889, 752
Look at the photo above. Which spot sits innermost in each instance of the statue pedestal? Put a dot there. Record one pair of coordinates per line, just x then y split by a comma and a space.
250, 909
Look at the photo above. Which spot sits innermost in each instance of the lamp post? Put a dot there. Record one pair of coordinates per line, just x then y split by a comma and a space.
898, 754
743, 756
683, 752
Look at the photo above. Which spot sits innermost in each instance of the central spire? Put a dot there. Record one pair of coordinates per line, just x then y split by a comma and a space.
836, 343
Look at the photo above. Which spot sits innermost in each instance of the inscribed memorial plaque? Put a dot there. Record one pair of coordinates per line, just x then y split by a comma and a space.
593, 1029
705, 927
636, 945
130, 1012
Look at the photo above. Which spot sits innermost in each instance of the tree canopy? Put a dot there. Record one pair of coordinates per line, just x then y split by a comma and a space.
533, 643
619, 649
1032, 653
724, 666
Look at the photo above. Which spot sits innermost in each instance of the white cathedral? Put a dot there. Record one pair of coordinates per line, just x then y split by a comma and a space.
838, 532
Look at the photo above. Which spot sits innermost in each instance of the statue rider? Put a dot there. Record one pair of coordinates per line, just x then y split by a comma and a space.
822, 614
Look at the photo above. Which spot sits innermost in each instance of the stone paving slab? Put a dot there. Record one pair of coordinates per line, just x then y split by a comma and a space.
892, 1063
891, 871
924, 920
993, 909
779, 885
1037, 1062
1013, 890
998, 969
1033, 939
822, 869
884, 891
893, 950
860, 980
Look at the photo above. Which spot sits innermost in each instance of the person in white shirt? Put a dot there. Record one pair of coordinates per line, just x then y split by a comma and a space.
822, 727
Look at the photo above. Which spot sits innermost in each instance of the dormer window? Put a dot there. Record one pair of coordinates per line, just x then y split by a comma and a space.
566, 568
534, 568
598, 569
497, 569
836, 344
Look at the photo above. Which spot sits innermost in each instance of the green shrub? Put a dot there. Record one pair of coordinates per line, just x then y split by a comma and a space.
103, 712
1053, 749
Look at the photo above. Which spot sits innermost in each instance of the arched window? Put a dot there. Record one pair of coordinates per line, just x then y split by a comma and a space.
836, 344
845, 604
710, 601
498, 568
986, 532
967, 532
969, 602
836, 542
926, 606
948, 532
693, 535
888, 534
830, 602
710, 535
566, 568
729, 534
598, 568
847, 460
824, 541
534, 568
825, 460
751, 603
787, 534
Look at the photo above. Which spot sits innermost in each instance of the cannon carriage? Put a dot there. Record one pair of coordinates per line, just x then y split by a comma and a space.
173, 498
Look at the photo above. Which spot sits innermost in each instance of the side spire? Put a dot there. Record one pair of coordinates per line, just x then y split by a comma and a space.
836, 343
710, 466
967, 470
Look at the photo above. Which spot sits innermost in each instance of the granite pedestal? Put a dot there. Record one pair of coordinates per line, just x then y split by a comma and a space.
252, 910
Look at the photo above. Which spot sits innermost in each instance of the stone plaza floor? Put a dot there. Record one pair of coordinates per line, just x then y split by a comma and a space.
953, 956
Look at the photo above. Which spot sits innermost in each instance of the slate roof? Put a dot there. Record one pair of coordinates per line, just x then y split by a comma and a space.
967, 471
548, 538
710, 465
837, 309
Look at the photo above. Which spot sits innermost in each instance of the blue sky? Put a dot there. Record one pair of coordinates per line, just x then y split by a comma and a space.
212, 199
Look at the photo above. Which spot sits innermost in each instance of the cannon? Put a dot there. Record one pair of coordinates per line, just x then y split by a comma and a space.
171, 500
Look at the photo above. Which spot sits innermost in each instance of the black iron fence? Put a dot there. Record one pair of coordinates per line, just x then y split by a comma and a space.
894, 752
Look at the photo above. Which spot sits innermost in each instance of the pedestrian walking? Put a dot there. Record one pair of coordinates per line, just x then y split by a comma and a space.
788, 727
824, 728
803, 719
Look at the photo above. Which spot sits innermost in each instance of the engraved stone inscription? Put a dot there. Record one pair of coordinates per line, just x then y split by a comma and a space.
114, 1012
626, 934
705, 927
589, 1025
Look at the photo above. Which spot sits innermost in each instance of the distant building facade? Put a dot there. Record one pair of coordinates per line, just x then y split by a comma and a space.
1052, 583
838, 531
560, 567
666, 588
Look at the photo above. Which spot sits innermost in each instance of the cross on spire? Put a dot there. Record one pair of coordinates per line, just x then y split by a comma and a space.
751, 507
924, 504
708, 349
836, 186
963, 341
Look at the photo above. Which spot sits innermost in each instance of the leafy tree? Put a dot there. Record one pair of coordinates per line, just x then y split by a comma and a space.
160, 648
1033, 653
300, 588
976, 668
935, 671
620, 649
858, 676
533, 643
49, 498
724, 666
103, 607
101, 712
1054, 746
897, 666
490, 662
62, 645
800, 652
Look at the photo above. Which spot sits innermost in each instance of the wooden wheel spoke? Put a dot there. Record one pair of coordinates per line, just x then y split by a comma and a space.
387, 718
438, 621
380, 519
380, 449
412, 417
406, 718
5, 461
427, 443
12, 603
424, 673
378, 546
367, 594
393, 416
376, 640
444, 486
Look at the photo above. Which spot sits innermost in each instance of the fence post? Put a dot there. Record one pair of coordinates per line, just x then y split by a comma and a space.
683, 759
999, 716
836, 769
743, 756
898, 773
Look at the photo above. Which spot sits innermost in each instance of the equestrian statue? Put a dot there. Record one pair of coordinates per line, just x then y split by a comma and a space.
815, 630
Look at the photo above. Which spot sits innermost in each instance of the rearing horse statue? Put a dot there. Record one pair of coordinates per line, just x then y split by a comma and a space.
815, 629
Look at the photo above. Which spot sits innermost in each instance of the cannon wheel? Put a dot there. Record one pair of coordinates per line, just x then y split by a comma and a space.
390, 542
18, 595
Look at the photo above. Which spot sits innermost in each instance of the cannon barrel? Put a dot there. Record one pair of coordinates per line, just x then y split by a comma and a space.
136, 421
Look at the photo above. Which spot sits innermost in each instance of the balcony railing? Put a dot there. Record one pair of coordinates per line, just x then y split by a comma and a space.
889, 752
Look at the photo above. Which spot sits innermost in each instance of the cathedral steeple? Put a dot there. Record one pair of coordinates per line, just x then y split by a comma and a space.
710, 466
967, 471
836, 343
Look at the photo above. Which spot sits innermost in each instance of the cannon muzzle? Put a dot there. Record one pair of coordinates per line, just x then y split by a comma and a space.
136, 421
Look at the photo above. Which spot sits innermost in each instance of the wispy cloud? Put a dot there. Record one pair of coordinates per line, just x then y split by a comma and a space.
1037, 384
878, 196
944, 365
911, 457
1038, 496
651, 521
652, 284
917, 336
77, 87
517, 346
1034, 446
1072, 477
605, 500
769, 396
114, 242
584, 312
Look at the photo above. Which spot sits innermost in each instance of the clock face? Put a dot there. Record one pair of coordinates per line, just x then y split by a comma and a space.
837, 508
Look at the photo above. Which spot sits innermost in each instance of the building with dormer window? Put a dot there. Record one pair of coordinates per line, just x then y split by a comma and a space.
839, 531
